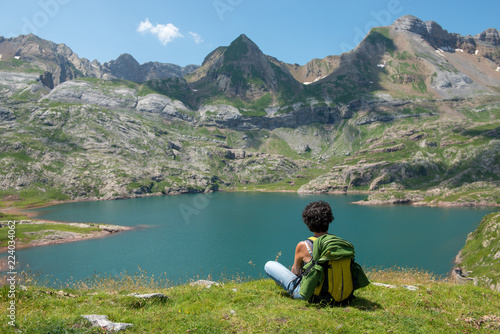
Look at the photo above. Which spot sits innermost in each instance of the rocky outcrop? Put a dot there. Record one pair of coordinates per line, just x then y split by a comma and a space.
343, 178
384, 109
486, 43
490, 37
86, 93
225, 116
47, 80
434, 34
165, 106
6, 115
429, 30
376, 117
450, 80
383, 175
235, 154
389, 149
103, 322
13, 82
157, 295
489, 44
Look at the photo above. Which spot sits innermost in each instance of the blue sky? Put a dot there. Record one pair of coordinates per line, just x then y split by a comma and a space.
184, 31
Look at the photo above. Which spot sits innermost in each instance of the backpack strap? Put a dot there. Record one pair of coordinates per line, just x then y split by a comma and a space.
309, 244
311, 240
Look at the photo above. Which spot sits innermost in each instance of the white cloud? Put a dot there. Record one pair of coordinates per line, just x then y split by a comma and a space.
197, 38
165, 32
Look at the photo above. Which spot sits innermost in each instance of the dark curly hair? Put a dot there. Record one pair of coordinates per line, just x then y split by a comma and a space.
317, 216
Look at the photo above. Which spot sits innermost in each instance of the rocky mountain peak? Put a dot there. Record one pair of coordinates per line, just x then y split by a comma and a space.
437, 36
243, 49
125, 67
128, 68
242, 70
490, 36
126, 58
57, 60
486, 42
429, 30
26, 47
410, 23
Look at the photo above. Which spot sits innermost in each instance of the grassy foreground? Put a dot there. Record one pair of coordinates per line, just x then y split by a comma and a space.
255, 306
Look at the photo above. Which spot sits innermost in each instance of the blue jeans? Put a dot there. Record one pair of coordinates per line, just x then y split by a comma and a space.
284, 278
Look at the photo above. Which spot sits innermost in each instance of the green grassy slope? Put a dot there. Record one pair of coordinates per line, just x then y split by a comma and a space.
257, 306
481, 253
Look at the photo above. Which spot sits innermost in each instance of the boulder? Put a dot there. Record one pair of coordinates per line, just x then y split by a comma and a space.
157, 295
86, 93
163, 105
226, 116
103, 322
204, 283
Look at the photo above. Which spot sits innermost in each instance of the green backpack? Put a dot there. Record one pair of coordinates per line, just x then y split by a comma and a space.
332, 275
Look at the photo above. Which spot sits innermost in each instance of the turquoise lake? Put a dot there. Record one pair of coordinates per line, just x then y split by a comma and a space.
224, 235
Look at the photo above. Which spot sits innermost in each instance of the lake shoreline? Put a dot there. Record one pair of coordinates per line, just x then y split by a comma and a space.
59, 238
432, 205
53, 239
204, 212
116, 228
21, 211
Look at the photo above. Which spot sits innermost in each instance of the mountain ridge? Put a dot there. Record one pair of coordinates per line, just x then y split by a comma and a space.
411, 24
316, 69
60, 63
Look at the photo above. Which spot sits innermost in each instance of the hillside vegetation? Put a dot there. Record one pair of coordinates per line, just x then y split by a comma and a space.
480, 257
415, 152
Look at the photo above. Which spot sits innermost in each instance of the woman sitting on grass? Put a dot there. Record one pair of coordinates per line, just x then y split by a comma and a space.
324, 260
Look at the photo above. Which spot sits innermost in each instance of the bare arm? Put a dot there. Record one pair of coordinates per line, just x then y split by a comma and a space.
300, 252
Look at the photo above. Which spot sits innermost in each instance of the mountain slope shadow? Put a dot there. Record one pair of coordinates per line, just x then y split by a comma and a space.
359, 70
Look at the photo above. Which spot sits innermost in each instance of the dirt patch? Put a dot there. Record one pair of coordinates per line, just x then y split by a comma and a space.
447, 112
